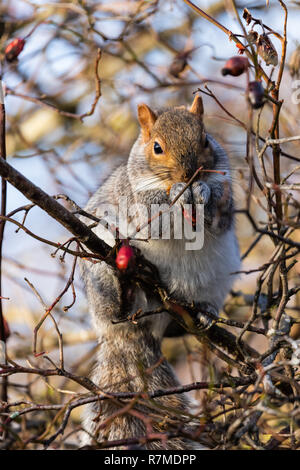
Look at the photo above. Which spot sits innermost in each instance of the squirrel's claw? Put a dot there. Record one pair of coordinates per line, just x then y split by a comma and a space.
201, 192
185, 198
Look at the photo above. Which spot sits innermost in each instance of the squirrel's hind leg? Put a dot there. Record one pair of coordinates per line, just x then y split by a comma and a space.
103, 292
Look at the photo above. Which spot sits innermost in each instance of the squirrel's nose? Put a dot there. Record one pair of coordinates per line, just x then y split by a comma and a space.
188, 164
188, 171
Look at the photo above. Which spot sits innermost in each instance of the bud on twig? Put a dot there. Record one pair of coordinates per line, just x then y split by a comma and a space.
256, 94
241, 48
125, 257
13, 49
252, 37
247, 16
235, 66
179, 64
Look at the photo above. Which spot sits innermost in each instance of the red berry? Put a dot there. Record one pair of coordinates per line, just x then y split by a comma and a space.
190, 217
235, 66
125, 257
13, 49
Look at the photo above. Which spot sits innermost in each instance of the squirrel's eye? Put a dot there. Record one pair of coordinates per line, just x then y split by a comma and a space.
157, 148
206, 142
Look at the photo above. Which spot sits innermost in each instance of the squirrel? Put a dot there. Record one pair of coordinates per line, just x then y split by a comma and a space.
171, 146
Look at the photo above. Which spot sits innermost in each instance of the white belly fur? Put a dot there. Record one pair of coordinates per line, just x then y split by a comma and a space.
199, 275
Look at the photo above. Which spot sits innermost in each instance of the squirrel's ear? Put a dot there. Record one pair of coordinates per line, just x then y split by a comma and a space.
147, 119
197, 107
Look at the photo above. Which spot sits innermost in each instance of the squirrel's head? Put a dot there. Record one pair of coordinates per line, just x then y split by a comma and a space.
175, 141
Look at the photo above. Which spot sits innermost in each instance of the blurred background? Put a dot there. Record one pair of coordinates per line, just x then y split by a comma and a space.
54, 81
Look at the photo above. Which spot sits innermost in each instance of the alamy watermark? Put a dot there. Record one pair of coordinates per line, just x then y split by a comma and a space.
154, 221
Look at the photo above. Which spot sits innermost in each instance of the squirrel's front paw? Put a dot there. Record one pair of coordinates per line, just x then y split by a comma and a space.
185, 198
201, 192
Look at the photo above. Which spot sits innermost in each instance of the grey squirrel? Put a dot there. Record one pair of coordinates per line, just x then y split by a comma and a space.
171, 146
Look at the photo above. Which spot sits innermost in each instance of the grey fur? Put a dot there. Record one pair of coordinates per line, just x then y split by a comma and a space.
125, 350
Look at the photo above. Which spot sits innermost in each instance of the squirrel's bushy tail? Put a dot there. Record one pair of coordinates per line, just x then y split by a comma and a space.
131, 362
